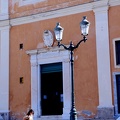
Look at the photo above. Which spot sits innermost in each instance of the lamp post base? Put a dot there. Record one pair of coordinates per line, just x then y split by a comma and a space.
73, 114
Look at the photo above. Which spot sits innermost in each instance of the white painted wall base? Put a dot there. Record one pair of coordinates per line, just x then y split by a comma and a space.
105, 112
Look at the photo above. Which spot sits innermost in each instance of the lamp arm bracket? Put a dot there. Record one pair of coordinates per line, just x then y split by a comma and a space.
84, 39
67, 48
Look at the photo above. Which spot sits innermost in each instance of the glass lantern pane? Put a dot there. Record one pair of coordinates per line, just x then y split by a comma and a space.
84, 29
84, 25
58, 35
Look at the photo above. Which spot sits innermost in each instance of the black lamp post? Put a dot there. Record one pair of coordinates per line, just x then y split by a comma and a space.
84, 25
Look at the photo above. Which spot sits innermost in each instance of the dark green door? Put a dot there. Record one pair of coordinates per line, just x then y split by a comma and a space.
51, 89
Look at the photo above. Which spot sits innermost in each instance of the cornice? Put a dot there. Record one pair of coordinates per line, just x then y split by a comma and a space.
64, 12
26, 2
51, 14
31, 52
114, 2
4, 16
4, 23
100, 9
45, 50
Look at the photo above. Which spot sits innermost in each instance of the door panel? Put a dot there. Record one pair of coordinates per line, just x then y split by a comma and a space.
52, 93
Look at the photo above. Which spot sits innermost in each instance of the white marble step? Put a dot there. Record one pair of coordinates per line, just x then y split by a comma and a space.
58, 117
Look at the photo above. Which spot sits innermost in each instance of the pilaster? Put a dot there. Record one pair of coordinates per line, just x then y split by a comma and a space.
34, 84
4, 70
3, 9
105, 108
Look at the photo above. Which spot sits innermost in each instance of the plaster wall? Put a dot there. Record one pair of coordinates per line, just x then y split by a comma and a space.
85, 66
20, 8
114, 28
87, 57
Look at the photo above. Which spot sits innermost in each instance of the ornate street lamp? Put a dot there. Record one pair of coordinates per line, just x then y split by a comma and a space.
84, 26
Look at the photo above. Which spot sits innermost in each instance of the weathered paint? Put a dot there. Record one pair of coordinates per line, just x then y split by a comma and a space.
16, 10
114, 32
85, 66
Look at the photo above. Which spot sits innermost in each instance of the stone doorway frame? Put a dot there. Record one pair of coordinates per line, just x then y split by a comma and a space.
44, 56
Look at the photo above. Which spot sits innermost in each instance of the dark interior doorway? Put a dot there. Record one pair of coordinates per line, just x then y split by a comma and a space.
51, 89
118, 91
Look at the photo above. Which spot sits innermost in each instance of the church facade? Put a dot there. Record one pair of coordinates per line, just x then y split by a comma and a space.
36, 73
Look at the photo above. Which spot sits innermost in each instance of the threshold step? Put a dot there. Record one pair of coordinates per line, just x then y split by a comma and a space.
56, 117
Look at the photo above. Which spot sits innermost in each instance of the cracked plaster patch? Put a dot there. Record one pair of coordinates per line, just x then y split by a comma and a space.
85, 114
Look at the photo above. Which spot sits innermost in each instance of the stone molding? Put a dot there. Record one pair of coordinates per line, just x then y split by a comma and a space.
101, 9
4, 23
105, 113
4, 9
26, 2
52, 14
44, 50
64, 12
45, 56
34, 64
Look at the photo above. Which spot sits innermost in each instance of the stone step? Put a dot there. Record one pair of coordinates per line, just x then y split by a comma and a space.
50, 117
59, 118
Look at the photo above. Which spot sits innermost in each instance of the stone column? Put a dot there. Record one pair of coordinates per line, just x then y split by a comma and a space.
105, 108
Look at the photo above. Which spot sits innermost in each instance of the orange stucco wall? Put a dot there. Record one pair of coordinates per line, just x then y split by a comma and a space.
31, 35
85, 66
16, 10
114, 28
